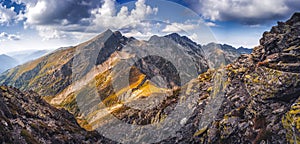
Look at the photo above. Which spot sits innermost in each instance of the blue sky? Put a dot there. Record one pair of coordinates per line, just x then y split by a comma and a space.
50, 24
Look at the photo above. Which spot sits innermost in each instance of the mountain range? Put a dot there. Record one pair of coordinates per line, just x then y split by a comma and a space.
251, 99
7, 62
28, 55
218, 54
13, 59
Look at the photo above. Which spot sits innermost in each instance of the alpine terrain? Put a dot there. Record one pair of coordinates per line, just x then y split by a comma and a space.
189, 93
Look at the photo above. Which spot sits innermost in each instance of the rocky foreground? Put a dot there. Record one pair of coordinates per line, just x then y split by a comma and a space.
261, 94
26, 118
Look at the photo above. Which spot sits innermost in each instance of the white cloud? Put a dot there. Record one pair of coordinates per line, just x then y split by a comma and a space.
7, 15
194, 37
35, 13
139, 35
49, 32
179, 27
211, 24
187, 26
5, 36
247, 11
27, 2
107, 16
55, 19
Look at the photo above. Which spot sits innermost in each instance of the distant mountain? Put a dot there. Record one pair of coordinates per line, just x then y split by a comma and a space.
28, 55
218, 54
243, 50
7, 62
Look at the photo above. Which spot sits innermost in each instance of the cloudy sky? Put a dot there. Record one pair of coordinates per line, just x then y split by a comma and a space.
50, 24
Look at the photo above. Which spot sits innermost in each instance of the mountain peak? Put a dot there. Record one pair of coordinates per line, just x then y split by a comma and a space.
153, 38
108, 31
118, 33
294, 19
173, 35
104, 34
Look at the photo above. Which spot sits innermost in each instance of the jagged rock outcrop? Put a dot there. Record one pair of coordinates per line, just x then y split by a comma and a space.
26, 118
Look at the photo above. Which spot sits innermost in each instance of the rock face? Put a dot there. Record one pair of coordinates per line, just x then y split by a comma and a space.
279, 48
191, 48
26, 118
218, 54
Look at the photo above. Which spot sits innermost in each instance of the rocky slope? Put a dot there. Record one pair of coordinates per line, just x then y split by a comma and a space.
260, 98
26, 118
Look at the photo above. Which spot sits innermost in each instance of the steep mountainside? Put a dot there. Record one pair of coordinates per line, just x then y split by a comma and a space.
218, 54
26, 118
56, 76
47, 75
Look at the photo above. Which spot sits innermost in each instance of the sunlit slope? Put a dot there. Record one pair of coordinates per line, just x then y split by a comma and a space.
47, 75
